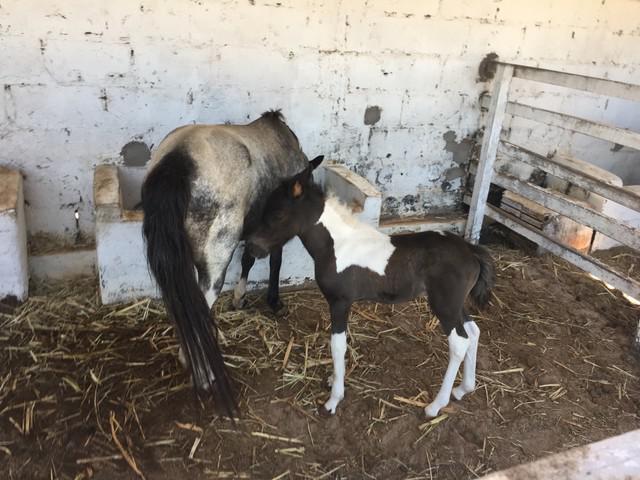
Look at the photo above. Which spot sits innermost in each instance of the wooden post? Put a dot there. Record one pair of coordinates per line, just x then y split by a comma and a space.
488, 152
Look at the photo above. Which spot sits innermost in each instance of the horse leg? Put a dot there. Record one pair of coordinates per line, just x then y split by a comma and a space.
339, 315
468, 383
273, 294
222, 240
447, 299
213, 258
239, 299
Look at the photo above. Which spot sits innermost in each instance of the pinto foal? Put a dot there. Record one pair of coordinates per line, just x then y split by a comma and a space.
354, 261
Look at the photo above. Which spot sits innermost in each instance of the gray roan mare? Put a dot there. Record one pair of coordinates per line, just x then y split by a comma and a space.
354, 261
205, 190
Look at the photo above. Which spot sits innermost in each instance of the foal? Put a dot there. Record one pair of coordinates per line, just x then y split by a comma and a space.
354, 261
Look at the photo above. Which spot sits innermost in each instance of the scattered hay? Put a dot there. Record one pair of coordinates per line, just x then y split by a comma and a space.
87, 388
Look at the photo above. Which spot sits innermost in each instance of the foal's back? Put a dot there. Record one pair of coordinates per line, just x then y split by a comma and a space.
435, 250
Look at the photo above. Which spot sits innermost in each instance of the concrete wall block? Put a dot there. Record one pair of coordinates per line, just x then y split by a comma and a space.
54, 107
14, 280
308, 25
620, 15
79, 61
22, 60
484, 12
363, 107
393, 9
502, 39
540, 43
430, 36
393, 73
283, 70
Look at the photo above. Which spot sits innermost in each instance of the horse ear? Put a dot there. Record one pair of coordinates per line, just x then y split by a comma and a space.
316, 161
296, 189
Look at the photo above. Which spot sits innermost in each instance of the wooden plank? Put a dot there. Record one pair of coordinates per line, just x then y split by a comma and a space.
572, 173
615, 458
599, 86
488, 152
401, 225
584, 262
620, 136
568, 207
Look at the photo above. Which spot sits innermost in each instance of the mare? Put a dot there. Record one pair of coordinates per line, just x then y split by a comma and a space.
205, 190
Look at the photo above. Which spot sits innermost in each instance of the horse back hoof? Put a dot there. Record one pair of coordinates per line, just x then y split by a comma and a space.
278, 308
240, 303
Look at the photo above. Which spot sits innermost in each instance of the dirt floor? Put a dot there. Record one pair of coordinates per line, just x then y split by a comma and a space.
88, 391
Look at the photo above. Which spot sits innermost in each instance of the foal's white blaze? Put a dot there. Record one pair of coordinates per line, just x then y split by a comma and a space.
355, 243
338, 351
468, 383
458, 347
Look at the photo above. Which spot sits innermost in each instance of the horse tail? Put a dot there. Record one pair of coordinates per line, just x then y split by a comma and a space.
481, 291
166, 193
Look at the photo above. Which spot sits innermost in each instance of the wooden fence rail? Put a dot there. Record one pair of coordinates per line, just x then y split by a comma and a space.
495, 146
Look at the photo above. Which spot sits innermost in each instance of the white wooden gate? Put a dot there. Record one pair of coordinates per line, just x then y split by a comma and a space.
495, 145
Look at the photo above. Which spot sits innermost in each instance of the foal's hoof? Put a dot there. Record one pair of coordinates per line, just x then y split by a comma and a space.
431, 410
324, 413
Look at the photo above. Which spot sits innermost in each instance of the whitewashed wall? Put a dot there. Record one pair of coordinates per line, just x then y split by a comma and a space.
82, 79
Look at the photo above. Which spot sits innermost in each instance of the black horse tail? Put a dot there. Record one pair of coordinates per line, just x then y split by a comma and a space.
166, 193
481, 291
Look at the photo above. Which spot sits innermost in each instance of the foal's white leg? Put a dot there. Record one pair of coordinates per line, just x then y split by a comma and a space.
468, 383
458, 347
338, 351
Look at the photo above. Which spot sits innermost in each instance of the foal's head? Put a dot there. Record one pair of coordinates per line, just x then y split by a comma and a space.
292, 207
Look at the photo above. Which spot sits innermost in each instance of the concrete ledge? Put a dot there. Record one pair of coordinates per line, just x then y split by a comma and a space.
355, 191
14, 280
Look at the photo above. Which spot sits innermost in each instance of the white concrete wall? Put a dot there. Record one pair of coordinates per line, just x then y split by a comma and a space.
81, 79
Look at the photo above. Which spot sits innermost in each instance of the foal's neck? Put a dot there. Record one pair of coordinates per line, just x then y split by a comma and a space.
338, 233
313, 236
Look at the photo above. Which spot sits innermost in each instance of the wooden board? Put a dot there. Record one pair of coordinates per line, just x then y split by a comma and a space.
615, 458
488, 152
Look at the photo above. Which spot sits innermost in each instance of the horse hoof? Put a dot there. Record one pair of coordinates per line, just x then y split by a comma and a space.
324, 413
278, 308
431, 410
239, 303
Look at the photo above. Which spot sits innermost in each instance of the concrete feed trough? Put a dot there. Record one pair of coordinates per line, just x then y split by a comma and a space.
14, 277
121, 258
